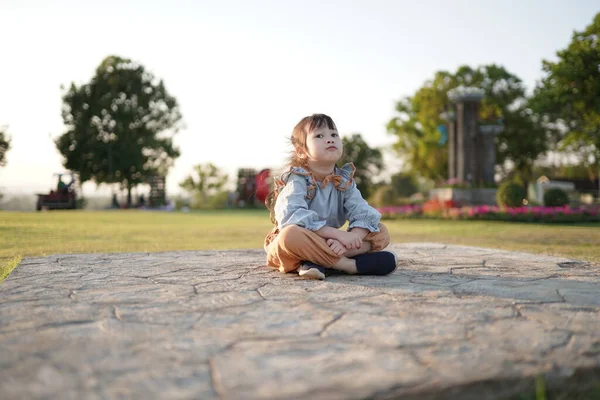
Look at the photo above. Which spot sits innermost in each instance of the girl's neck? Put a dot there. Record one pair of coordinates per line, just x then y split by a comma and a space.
321, 170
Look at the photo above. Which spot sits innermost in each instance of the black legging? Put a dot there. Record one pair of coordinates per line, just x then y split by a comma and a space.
375, 263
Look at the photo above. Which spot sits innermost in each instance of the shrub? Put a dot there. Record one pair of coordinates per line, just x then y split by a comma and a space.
555, 198
405, 201
510, 194
81, 203
404, 184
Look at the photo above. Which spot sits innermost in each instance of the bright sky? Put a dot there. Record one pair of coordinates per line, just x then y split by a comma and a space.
245, 72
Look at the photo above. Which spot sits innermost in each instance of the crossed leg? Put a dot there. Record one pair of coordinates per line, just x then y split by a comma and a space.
295, 244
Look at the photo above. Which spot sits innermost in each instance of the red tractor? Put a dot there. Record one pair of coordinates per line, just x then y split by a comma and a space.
64, 197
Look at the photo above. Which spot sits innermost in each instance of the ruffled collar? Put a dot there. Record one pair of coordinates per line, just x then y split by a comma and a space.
341, 177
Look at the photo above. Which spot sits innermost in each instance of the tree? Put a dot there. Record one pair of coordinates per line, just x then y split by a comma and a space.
204, 183
568, 97
417, 119
4, 145
368, 161
120, 126
523, 140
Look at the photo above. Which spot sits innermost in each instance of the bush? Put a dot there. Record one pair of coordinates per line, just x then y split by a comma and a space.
406, 201
555, 198
81, 203
510, 194
181, 202
404, 184
384, 196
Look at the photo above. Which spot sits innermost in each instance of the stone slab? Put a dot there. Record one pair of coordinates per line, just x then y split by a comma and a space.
451, 322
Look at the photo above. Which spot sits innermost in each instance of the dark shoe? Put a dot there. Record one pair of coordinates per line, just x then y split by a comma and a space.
312, 270
376, 263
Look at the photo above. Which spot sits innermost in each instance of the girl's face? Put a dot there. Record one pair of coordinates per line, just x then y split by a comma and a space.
324, 145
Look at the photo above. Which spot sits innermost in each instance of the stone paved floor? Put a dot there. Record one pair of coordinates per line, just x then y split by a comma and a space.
451, 322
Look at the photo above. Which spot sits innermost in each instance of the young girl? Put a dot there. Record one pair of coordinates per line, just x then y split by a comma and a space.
315, 198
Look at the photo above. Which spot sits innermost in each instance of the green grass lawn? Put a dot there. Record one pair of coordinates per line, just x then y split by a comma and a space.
38, 234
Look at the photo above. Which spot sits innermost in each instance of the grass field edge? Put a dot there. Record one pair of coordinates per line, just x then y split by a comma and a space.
7, 266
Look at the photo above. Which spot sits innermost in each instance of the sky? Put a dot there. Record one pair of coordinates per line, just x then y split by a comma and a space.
245, 72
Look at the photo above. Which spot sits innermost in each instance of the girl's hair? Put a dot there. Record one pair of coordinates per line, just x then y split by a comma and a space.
298, 139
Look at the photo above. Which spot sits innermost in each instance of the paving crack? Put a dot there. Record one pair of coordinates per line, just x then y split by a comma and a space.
133, 276
66, 323
564, 343
51, 325
573, 264
417, 359
219, 280
250, 270
534, 302
561, 296
259, 292
593, 351
425, 345
168, 272
325, 304
195, 324
44, 274
233, 306
450, 270
544, 278
333, 321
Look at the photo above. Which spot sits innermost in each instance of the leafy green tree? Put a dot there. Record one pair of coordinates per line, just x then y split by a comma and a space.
568, 97
4, 145
368, 161
523, 140
205, 183
119, 126
416, 121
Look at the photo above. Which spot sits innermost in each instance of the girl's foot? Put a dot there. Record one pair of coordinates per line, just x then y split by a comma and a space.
376, 263
312, 270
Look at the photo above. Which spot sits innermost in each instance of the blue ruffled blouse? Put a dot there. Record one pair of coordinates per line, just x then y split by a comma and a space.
305, 202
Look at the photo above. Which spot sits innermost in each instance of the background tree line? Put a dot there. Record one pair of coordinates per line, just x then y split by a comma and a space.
121, 124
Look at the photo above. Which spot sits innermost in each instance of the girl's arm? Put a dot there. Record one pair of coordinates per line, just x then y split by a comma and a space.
362, 232
362, 217
291, 207
327, 232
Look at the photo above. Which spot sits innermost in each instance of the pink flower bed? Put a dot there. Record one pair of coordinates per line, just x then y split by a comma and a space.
537, 214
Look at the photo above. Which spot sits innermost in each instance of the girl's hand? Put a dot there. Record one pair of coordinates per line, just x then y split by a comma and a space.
337, 247
351, 240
